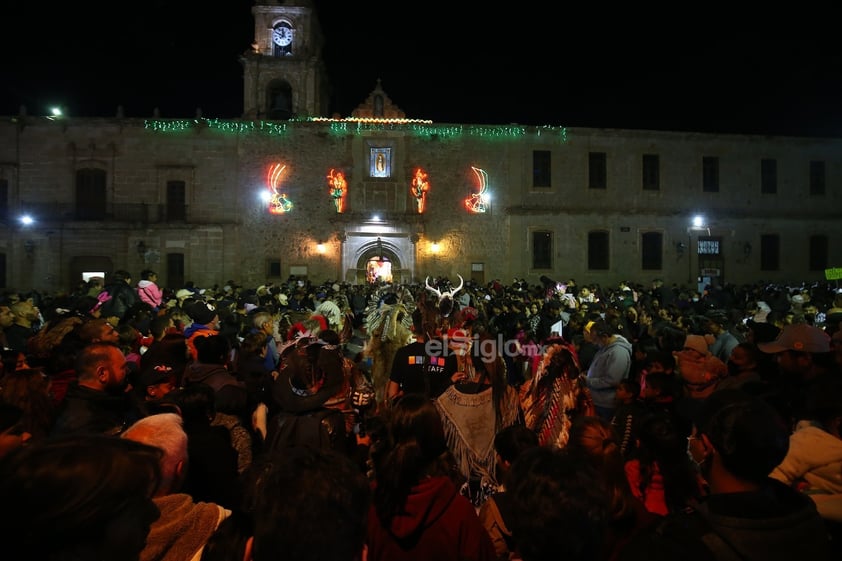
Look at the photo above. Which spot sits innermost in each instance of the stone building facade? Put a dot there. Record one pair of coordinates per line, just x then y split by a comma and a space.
256, 199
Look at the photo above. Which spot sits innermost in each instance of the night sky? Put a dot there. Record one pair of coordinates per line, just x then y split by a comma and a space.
535, 67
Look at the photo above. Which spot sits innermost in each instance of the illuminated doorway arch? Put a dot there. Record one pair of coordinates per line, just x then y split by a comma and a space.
379, 261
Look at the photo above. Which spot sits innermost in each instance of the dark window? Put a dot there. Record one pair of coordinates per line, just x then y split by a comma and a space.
541, 168
817, 178
90, 194
4, 199
175, 270
651, 250
770, 252
176, 199
3, 283
598, 251
542, 250
597, 171
710, 174
818, 253
768, 176
273, 268
651, 172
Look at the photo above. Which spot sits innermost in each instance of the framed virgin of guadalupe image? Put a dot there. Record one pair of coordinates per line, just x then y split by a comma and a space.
380, 162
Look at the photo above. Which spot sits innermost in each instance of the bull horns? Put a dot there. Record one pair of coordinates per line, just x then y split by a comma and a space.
448, 294
434, 290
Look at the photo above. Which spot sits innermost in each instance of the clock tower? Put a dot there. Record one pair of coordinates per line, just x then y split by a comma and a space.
284, 74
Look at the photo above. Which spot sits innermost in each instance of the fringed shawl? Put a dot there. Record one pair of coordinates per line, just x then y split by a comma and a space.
470, 426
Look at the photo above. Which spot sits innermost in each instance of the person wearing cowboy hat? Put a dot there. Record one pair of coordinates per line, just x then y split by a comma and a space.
310, 373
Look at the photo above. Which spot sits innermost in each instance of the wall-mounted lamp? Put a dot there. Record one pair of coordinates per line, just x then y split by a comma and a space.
679, 249
321, 248
435, 248
141, 249
29, 248
747, 250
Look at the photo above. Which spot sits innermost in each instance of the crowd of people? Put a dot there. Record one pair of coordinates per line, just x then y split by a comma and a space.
454, 420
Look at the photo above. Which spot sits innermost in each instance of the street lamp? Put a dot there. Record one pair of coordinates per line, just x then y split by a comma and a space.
698, 223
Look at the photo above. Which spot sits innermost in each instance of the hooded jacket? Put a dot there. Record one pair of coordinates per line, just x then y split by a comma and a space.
438, 523
122, 298
814, 456
182, 530
699, 372
610, 365
775, 523
813, 464
230, 394
150, 293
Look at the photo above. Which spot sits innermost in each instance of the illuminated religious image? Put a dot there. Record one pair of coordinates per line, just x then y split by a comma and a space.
338, 189
380, 164
279, 203
478, 202
419, 189
378, 269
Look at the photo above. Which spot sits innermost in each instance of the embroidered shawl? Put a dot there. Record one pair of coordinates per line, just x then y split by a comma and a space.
555, 396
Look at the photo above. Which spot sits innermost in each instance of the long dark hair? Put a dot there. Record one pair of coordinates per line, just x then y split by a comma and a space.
492, 373
595, 440
415, 447
661, 445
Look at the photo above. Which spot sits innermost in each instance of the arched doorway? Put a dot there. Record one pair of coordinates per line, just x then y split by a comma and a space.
279, 100
378, 261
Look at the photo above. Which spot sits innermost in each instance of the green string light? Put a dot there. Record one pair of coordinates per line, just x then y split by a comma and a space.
344, 127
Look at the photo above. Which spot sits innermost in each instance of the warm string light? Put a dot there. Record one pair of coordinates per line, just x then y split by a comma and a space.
419, 189
279, 203
364, 120
338, 189
478, 202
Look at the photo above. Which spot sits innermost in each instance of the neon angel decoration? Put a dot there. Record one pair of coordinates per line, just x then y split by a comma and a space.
419, 189
478, 202
279, 203
338, 189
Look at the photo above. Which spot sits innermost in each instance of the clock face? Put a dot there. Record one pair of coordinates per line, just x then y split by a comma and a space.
282, 36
